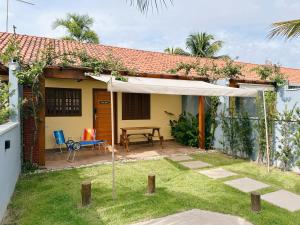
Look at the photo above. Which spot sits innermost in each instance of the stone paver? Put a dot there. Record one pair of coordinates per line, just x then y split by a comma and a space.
283, 199
217, 173
197, 216
179, 158
195, 164
246, 184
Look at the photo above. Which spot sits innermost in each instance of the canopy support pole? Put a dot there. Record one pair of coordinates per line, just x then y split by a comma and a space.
201, 117
112, 140
266, 128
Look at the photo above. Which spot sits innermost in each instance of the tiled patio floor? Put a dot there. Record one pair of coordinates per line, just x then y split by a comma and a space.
57, 160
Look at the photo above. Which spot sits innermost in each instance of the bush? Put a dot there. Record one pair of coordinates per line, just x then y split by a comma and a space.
185, 129
286, 149
5, 111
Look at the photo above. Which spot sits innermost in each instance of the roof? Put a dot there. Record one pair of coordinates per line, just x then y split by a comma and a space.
141, 61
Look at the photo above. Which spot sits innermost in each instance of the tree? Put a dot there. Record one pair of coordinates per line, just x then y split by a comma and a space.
203, 45
175, 51
199, 45
78, 28
288, 29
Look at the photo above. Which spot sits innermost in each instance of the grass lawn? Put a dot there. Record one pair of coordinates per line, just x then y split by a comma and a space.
54, 198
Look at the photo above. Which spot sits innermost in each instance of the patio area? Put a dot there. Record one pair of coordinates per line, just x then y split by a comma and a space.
142, 151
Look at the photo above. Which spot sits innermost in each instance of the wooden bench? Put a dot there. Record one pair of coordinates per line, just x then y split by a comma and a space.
124, 137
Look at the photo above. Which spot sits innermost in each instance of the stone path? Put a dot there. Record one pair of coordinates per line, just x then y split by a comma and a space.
283, 199
195, 164
195, 217
217, 173
179, 158
246, 184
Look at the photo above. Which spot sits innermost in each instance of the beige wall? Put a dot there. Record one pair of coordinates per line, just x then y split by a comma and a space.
73, 126
159, 104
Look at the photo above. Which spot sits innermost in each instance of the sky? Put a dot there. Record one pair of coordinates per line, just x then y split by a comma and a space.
242, 25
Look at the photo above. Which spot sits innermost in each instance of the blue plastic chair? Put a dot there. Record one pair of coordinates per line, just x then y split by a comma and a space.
73, 146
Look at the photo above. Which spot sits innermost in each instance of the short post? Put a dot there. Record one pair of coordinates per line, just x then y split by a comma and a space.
86, 189
151, 184
255, 202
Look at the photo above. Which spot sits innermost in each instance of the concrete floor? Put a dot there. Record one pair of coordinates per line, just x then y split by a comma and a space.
57, 160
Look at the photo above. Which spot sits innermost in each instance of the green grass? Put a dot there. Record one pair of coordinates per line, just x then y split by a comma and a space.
54, 198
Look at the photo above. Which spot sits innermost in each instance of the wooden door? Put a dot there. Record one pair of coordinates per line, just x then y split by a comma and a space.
102, 115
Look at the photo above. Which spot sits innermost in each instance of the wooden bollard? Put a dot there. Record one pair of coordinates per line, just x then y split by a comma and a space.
86, 189
151, 184
255, 202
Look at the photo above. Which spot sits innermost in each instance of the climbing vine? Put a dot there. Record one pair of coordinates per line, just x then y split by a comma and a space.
271, 111
210, 69
237, 134
31, 74
271, 72
211, 121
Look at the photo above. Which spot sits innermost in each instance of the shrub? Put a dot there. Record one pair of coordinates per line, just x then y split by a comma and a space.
286, 147
5, 111
185, 129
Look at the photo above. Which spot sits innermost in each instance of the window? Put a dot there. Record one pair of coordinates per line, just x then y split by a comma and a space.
135, 106
246, 104
63, 102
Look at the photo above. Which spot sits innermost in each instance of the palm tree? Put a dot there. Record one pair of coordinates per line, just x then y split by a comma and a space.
144, 5
288, 29
78, 28
176, 51
203, 45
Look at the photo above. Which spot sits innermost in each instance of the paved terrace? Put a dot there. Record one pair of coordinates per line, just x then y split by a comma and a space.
57, 160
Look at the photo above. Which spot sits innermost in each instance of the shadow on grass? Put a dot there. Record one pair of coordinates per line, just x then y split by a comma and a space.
176, 165
54, 198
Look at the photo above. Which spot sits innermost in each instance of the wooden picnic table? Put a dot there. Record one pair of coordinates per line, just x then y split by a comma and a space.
124, 137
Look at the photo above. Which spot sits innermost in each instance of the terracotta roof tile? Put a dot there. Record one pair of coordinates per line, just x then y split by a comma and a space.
140, 60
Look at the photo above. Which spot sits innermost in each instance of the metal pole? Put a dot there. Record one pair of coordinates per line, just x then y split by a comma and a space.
7, 15
266, 128
112, 140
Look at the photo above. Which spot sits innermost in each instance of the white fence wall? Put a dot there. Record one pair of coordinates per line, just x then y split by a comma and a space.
10, 162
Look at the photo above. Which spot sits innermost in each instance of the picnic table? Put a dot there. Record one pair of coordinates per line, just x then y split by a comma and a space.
146, 132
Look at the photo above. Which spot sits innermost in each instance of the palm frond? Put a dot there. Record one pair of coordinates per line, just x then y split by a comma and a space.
288, 29
145, 5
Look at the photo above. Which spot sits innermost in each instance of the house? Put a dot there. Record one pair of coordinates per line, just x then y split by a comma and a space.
74, 101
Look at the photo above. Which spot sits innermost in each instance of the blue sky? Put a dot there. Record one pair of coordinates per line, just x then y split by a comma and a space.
242, 25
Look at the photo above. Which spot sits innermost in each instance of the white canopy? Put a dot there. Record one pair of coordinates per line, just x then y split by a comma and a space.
172, 87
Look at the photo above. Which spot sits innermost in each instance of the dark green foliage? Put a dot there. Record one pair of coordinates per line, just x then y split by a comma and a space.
28, 167
211, 122
286, 147
237, 131
270, 98
185, 129
296, 139
245, 134
5, 111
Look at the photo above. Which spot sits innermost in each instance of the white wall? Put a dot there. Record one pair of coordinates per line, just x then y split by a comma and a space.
10, 163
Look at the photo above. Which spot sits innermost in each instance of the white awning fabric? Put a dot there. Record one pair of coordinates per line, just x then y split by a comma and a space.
172, 87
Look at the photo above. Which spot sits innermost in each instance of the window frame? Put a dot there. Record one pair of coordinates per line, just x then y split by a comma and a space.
136, 106
64, 91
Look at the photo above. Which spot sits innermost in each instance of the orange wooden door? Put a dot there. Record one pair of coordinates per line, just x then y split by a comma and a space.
102, 115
